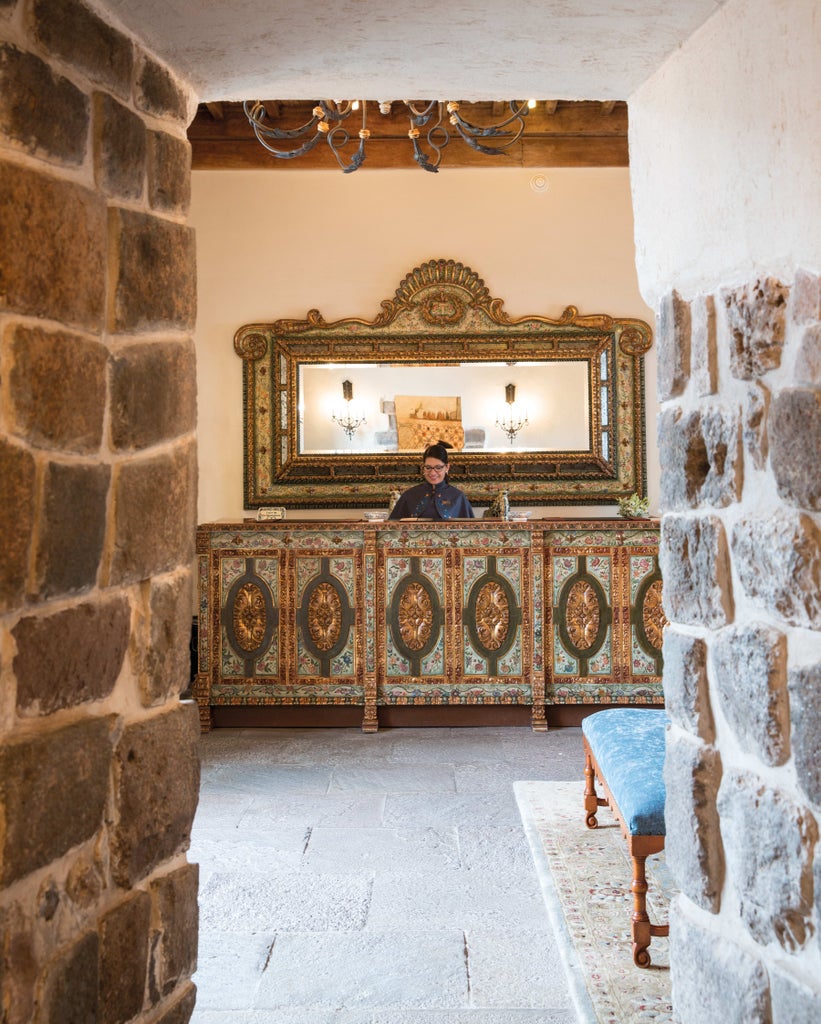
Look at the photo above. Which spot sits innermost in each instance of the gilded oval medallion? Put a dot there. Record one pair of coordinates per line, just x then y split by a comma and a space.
652, 615
583, 615
492, 616
415, 616
250, 617
324, 616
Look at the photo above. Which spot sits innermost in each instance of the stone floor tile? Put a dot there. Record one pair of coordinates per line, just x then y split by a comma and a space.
280, 900
471, 1016
229, 969
394, 778
252, 779
360, 810
335, 746
216, 849
446, 746
220, 810
491, 776
283, 1016
457, 899
495, 849
358, 969
515, 969
558, 752
381, 849
459, 809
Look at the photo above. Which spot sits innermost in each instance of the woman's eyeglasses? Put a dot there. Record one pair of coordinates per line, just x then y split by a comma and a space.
431, 468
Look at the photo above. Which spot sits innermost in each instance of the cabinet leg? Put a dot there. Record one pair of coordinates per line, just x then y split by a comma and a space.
538, 718
370, 722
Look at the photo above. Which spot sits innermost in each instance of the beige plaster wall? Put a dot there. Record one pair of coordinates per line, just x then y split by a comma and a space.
725, 143
277, 244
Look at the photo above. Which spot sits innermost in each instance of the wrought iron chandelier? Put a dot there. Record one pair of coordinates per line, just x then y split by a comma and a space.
427, 131
511, 419
349, 418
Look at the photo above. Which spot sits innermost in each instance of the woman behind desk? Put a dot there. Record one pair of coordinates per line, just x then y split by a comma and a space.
435, 498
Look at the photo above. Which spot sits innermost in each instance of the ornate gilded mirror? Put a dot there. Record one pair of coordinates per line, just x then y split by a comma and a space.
337, 414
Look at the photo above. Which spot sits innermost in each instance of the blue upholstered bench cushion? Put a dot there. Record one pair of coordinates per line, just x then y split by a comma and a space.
628, 744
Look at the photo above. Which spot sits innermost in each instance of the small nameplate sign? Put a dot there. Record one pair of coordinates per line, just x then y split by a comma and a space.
265, 515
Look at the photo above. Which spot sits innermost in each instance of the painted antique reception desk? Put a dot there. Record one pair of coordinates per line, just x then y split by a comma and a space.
377, 616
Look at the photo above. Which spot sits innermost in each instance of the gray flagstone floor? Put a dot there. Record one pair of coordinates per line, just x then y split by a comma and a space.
348, 878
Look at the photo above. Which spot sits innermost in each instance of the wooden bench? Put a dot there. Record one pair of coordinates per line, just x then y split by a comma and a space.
624, 750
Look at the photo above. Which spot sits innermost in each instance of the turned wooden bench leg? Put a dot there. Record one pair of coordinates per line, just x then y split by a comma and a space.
641, 929
592, 801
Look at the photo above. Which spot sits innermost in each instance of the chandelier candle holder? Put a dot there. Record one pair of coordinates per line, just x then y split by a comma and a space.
511, 419
348, 416
427, 131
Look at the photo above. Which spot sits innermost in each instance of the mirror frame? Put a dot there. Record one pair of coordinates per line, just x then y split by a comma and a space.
442, 313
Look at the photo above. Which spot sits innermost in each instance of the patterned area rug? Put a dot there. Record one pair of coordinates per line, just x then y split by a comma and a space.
585, 876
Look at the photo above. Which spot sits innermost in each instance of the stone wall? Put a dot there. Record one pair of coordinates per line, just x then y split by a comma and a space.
99, 765
740, 440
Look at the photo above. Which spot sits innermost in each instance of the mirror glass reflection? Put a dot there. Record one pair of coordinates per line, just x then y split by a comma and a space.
372, 408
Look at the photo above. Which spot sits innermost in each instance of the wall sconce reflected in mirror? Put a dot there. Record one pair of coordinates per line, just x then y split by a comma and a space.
511, 419
347, 416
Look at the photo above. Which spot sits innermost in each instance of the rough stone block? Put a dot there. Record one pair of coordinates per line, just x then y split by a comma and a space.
794, 1001
808, 359
175, 898
153, 394
756, 317
750, 677
804, 687
155, 521
754, 431
714, 979
169, 172
70, 658
58, 389
165, 668
817, 882
771, 864
673, 338
57, 232
795, 441
74, 33
70, 985
778, 560
157, 92
119, 148
124, 933
72, 528
18, 963
686, 691
806, 298
18, 473
43, 112
53, 790
704, 345
180, 1012
158, 774
695, 567
701, 452
692, 774
154, 273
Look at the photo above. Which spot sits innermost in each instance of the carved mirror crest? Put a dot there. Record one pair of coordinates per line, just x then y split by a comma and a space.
336, 415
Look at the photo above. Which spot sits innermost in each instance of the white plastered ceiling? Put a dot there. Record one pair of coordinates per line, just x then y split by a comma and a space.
419, 49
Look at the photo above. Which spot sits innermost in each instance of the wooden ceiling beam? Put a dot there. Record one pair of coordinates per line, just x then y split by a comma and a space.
566, 134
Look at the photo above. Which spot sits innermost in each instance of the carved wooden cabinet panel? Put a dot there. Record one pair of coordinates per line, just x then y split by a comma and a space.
606, 620
485, 612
